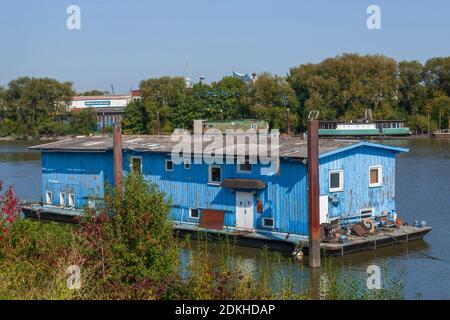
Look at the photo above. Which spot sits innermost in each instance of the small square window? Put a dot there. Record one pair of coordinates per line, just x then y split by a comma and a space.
194, 213
336, 180
48, 197
215, 174
71, 200
136, 165
268, 222
375, 176
169, 165
245, 167
187, 164
62, 199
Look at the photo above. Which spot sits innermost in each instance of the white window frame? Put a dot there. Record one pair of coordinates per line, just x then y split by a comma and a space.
71, 199
264, 222
380, 176
187, 164
341, 180
190, 213
48, 196
210, 167
165, 165
62, 199
131, 163
239, 170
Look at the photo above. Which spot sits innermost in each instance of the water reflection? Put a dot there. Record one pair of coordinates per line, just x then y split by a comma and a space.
422, 193
20, 167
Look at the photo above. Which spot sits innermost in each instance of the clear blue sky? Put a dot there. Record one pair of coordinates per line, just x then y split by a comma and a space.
123, 42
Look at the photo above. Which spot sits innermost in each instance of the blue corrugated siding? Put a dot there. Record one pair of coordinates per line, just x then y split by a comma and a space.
357, 194
83, 174
283, 199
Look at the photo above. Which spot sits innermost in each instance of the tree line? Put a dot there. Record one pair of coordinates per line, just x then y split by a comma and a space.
341, 88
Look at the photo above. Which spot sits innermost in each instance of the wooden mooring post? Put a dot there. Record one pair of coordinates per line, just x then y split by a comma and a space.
313, 192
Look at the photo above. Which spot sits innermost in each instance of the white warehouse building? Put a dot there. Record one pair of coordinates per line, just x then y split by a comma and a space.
110, 109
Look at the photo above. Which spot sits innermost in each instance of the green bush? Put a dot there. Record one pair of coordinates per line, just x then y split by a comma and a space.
126, 249
127, 240
33, 259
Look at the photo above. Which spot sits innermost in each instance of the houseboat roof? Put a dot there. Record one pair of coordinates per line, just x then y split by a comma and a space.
289, 147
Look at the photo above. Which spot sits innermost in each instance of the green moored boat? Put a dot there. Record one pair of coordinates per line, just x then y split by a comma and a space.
363, 128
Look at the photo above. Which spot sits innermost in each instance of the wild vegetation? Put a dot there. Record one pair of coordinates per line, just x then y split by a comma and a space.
341, 88
33, 107
125, 249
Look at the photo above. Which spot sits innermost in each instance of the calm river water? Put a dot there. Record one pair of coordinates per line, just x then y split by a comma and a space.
423, 193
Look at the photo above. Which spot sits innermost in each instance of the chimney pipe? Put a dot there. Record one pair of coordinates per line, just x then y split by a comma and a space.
117, 141
313, 193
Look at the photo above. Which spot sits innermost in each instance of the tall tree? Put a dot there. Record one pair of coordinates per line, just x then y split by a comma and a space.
272, 98
342, 87
83, 121
161, 97
3, 107
440, 110
94, 92
414, 93
136, 118
37, 103
223, 99
164, 90
437, 73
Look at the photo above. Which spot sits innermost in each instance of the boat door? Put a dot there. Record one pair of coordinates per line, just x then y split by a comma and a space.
323, 205
244, 210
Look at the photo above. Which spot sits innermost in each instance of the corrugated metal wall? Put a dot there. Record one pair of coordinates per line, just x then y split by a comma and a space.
83, 174
357, 194
284, 198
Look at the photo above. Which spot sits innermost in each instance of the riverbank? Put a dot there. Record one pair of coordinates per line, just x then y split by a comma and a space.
59, 138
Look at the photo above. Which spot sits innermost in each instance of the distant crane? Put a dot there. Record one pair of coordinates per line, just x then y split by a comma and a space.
112, 90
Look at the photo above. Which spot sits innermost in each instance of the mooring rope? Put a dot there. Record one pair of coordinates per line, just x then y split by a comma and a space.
422, 253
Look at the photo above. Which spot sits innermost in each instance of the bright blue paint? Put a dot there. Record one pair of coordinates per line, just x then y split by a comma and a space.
284, 198
83, 174
364, 144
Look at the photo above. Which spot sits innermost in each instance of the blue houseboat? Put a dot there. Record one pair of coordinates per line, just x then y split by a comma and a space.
357, 180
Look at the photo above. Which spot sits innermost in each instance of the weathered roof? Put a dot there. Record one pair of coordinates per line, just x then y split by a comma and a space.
289, 147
